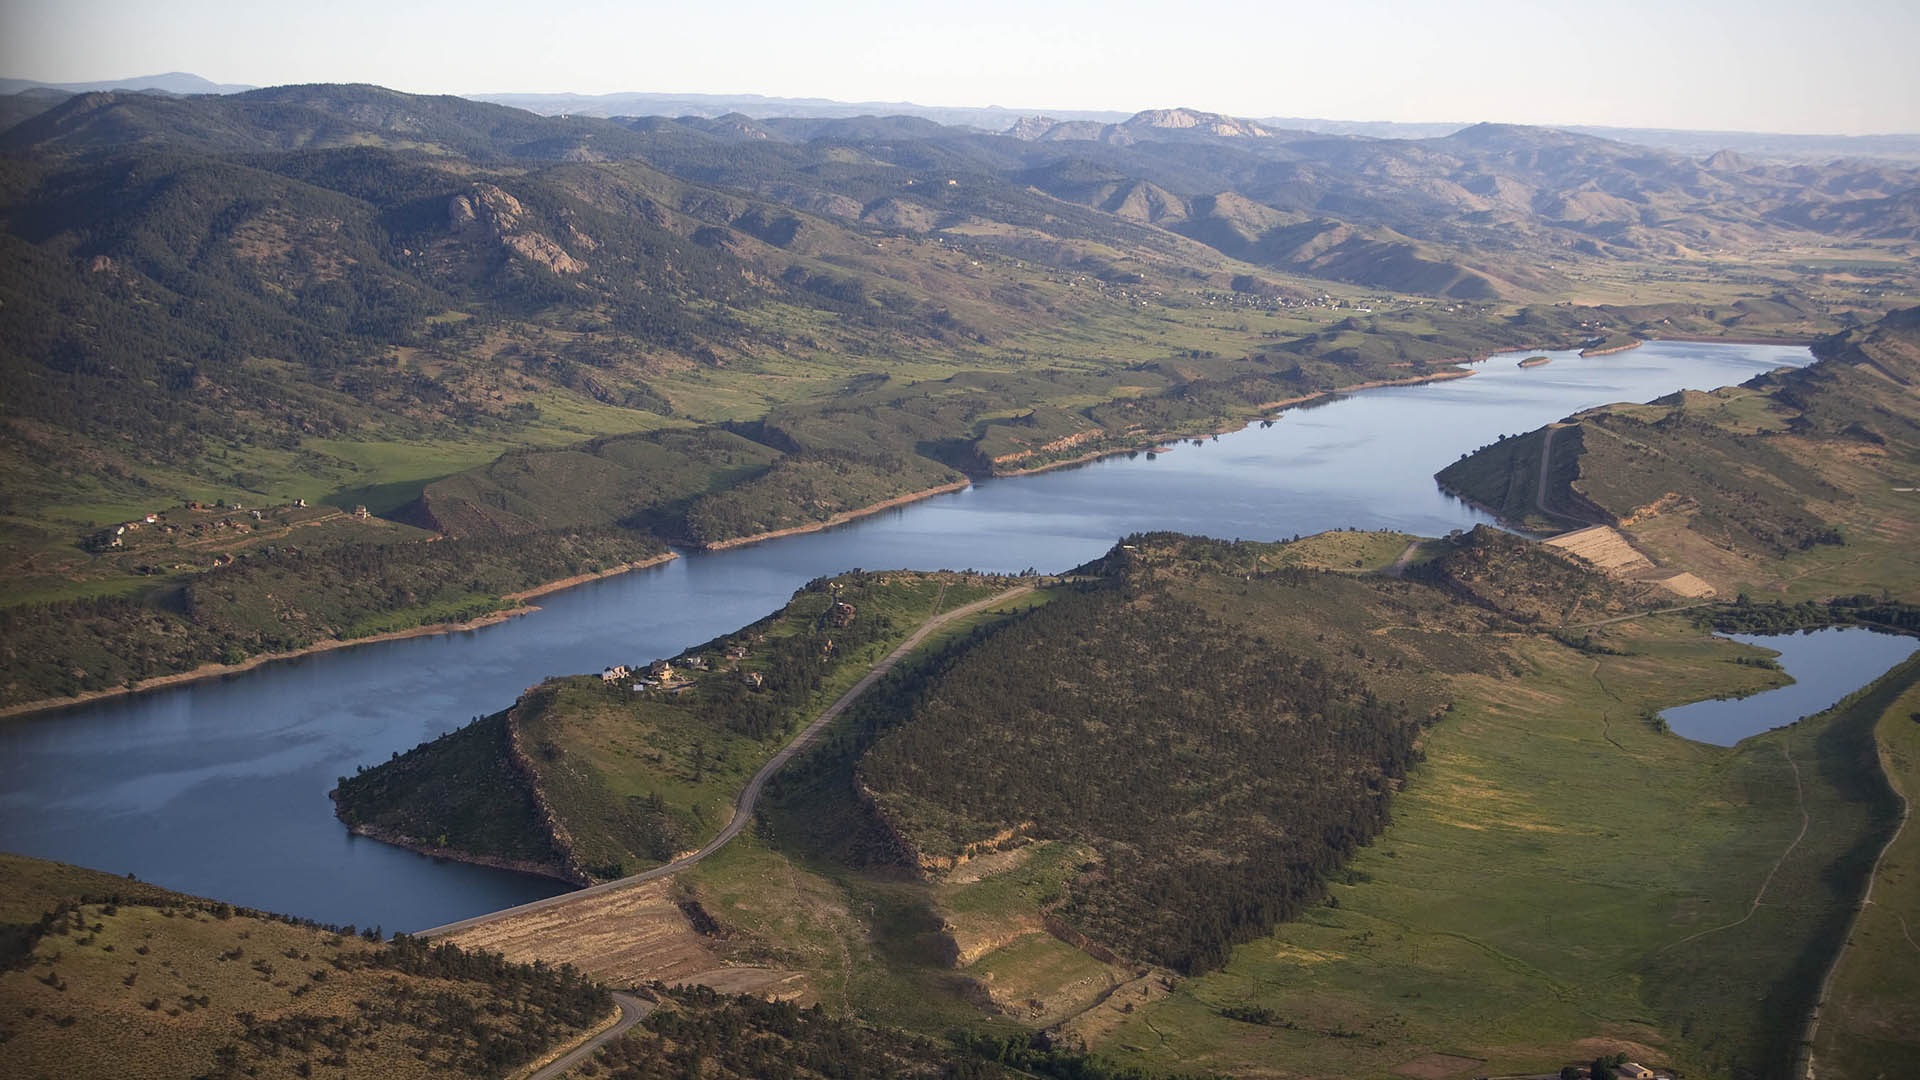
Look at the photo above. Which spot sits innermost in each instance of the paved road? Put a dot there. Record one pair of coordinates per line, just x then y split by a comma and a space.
1540, 489
743, 806
632, 1011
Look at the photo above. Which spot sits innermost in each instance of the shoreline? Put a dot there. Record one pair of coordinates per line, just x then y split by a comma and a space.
519, 866
1631, 345
1159, 444
838, 519
216, 670
1499, 518
1702, 339
1155, 445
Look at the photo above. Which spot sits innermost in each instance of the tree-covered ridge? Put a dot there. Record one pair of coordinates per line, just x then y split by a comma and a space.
465, 792
1218, 772
284, 598
1530, 583
591, 778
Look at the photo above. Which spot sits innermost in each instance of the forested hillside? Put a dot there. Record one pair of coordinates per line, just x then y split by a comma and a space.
591, 778
492, 324
283, 599
1232, 729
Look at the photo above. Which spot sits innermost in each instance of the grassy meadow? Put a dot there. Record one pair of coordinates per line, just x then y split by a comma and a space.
1551, 888
1870, 1024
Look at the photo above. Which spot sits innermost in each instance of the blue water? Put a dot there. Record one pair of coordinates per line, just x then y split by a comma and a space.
219, 787
1826, 666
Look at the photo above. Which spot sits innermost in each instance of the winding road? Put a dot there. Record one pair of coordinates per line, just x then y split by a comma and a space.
632, 1011
749, 795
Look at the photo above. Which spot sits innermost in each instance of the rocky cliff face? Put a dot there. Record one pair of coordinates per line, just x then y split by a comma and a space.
487, 210
1194, 120
1029, 128
1148, 124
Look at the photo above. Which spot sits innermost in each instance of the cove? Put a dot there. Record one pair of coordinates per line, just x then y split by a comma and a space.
219, 787
1826, 666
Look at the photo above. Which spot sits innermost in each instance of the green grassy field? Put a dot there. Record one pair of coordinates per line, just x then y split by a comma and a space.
1532, 901
1870, 1026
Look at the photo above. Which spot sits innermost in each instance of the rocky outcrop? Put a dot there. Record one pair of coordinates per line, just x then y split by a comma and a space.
488, 211
537, 248
1205, 123
1029, 128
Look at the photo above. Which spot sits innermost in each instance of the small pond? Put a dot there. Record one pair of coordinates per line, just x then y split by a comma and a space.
1826, 666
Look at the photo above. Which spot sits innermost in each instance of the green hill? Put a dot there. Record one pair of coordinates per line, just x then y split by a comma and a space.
586, 778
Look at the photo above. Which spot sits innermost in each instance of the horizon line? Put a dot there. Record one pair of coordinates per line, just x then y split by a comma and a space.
1016, 111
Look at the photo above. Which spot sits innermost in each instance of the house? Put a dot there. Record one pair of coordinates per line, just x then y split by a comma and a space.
660, 669
360, 511
737, 652
753, 679
841, 614
1630, 1070
258, 516
151, 518
614, 674
697, 663
300, 504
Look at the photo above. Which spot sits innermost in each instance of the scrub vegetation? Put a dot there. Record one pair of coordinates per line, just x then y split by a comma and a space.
109, 977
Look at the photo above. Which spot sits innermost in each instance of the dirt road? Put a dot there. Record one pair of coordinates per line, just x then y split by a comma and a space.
743, 806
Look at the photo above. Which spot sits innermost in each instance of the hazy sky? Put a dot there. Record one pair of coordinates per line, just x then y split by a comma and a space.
1839, 66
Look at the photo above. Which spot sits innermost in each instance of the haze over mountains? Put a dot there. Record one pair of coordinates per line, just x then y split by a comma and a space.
996, 118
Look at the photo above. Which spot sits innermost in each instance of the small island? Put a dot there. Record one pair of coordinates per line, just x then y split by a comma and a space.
1536, 361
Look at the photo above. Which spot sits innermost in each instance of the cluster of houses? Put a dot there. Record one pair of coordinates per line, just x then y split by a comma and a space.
118, 537
662, 675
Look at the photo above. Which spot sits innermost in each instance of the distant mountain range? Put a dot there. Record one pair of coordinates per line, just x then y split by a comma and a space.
1018, 122
172, 82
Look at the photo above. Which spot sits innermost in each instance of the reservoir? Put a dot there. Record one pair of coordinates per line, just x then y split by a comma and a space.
1826, 666
219, 787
